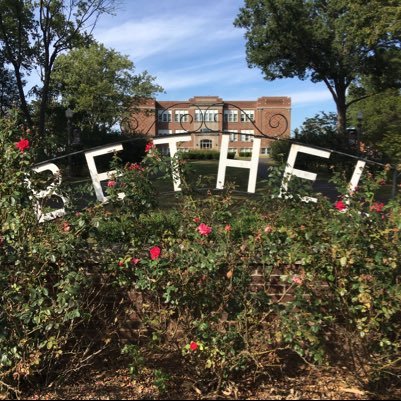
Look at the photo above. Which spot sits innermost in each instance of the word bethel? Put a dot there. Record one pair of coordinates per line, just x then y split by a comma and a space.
224, 162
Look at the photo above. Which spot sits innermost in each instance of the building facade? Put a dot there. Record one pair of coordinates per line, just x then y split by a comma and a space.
207, 118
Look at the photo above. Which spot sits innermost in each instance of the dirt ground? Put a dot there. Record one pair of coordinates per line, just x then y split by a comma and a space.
109, 383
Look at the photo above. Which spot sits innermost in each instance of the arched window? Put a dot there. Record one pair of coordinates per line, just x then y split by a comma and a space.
206, 144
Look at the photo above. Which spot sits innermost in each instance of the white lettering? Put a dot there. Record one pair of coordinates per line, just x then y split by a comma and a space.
98, 177
252, 164
172, 144
290, 170
50, 190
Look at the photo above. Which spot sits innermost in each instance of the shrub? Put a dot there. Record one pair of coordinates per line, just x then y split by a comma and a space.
226, 284
56, 313
328, 285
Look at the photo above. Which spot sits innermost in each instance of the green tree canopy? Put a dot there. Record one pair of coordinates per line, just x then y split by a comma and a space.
101, 85
8, 89
34, 33
381, 123
330, 41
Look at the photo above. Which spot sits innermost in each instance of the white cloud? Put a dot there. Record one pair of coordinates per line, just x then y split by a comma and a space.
308, 97
174, 35
227, 71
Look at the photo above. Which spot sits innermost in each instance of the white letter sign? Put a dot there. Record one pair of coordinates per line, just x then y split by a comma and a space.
96, 177
225, 162
172, 144
290, 170
50, 190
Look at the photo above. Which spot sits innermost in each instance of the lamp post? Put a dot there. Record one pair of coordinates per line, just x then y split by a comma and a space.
359, 132
69, 114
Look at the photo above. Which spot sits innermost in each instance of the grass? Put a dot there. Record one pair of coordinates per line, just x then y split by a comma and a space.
204, 173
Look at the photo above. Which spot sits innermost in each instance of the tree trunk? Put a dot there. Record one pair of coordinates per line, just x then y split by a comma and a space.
24, 105
341, 110
43, 108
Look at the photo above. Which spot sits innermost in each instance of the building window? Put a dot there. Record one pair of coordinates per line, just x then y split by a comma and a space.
206, 144
245, 151
164, 116
247, 135
181, 116
230, 116
264, 151
206, 115
233, 137
247, 116
164, 132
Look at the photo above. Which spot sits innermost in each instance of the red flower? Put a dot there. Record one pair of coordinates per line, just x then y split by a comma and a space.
297, 280
196, 219
121, 263
66, 227
135, 166
268, 229
193, 346
135, 261
204, 229
111, 184
227, 228
149, 146
340, 205
155, 252
22, 145
377, 207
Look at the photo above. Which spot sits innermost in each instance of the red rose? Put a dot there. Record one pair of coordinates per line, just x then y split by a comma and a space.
22, 145
377, 207
155, 252
340, 205
227, 228
111, 184
135, 261
204, 229
149, 146
193, 346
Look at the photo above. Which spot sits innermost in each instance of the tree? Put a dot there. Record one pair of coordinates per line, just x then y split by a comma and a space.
328, 41
8, 90
101, 85
381, 123
34, 33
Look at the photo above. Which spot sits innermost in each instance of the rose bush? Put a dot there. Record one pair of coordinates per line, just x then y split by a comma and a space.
56, 313
328, 287
230, 285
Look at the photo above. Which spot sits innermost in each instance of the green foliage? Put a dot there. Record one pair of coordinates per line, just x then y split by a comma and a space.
279, 150
380, 131
201, 155
52, 282
223, 284
8, 89
101, 85
33, 35
323, 41
327, 284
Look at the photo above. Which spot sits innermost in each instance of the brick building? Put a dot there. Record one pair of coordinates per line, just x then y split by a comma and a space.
206, 117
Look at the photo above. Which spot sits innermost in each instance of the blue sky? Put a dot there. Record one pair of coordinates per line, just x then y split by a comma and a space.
193, 49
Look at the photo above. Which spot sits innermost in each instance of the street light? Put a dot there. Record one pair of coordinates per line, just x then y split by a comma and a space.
359, 132
69, 114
